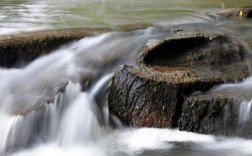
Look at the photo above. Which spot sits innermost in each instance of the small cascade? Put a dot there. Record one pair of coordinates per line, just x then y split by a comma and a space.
79, 124
7, 122
83, 121
37, 125
72, 118
61, 97
245, 111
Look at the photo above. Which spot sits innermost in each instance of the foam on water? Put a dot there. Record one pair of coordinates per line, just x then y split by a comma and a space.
130, 142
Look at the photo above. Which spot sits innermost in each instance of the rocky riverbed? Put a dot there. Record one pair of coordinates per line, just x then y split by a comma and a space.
159, 91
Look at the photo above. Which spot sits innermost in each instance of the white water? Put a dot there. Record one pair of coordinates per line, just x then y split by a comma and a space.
57, 106
130, 142
245, 111
47, 100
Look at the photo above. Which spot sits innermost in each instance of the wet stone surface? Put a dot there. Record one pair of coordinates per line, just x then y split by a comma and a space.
152, 93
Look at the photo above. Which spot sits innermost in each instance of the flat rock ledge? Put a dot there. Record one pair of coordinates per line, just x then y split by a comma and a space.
154, 93
25, 47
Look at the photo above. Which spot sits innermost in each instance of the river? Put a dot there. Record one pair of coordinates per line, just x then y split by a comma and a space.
29, 15
72, 121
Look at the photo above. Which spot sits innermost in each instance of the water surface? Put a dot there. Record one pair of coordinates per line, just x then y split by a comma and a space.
28, 15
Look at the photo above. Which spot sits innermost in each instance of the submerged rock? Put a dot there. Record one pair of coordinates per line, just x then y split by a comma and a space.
151, 94
241, 12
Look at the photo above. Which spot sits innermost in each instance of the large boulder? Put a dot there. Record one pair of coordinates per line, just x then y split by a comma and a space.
151, 94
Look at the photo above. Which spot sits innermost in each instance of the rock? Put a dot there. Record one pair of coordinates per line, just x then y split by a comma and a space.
25, 47
217, 114
151, 94
241, 12
28, 46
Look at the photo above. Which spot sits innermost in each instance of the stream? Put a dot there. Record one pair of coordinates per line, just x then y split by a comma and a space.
57, 104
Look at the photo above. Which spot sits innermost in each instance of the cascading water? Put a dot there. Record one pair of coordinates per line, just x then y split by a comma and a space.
57, 105
53, 99
245, 111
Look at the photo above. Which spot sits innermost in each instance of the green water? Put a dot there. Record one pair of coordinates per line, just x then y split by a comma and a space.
29, 15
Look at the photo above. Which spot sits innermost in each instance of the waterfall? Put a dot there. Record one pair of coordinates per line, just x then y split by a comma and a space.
38, 125
7, 122
71, 119
245, 111
57, 105
81, 123
61, 97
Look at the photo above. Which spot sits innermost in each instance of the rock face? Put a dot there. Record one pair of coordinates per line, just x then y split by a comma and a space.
152, 93
218, 114
210, 114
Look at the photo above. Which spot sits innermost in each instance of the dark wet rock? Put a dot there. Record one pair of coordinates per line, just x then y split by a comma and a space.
215, 114
25, 47
152, 93
209, 114
241, 12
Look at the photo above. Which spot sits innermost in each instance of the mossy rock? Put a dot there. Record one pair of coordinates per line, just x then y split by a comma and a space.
151, 94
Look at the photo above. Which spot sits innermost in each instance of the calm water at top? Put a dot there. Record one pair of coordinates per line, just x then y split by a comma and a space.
28, 15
